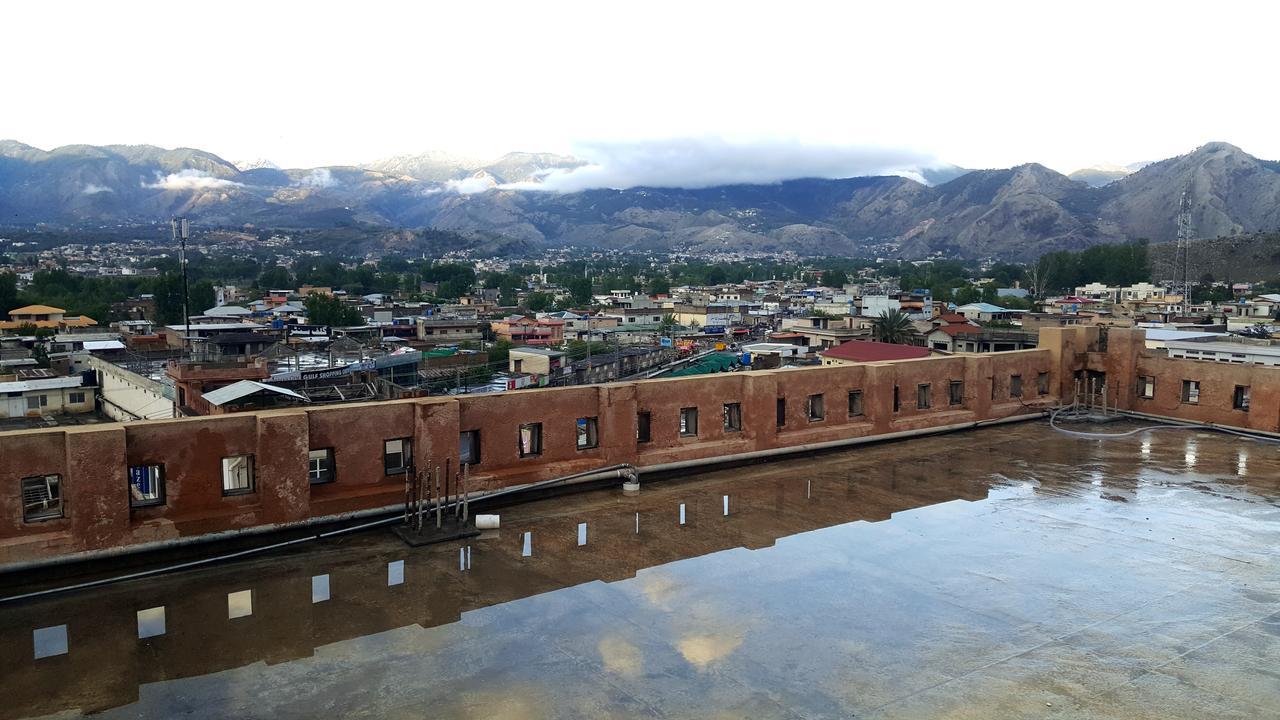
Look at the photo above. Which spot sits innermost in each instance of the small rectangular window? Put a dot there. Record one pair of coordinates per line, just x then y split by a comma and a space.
237, 475
780, 412
955, 393
1240, 398
588, 433
1042, 383
1015, 386
644, 427
469, 447
146, 485
397, 456
922, 396
33, 402
897, 400
41, 498
530, 439
1146, 386
689, 422
75, 398
320, 466
1191, 391
855, 403
816, 408
732, 417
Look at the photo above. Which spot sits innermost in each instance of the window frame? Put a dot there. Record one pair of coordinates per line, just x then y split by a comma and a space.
327, 474
1015, 386
587, 433
855, 406
535, 440
644, 427
1240, 400
1190, 392
924, 396
780, 412
687, 428
1042, 384
405, 452
815, 407
251, 485
47, 514
71, 397
159, 478
954, 398
470, 441
1146, 387
732, 417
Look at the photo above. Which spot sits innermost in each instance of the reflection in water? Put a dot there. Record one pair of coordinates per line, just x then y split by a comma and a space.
239, 604
319, 588
150, 622
50, 641
792, 579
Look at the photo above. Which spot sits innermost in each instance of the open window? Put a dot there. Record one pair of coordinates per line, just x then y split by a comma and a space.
817, 408
588, 429
1191, 391
644, 427
1240, 398
237, 475
146, 485
469, 447
732, 417
41, 498
397, 456
1146, 386
530, 440
689, 422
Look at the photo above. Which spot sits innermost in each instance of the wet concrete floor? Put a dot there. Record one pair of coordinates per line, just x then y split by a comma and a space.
1010, 572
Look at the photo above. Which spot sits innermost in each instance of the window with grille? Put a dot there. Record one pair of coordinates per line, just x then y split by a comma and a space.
41, 498
320, 466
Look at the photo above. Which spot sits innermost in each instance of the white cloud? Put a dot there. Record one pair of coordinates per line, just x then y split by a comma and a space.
710, 161
93, 189
318, 178
190, 180
474, 184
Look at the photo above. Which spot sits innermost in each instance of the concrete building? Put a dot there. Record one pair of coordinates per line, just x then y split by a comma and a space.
535, 360
523, 331
44, 316
41, 396
855, 352
447, 331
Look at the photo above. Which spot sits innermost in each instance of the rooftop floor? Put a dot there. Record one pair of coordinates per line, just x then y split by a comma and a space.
1001, 573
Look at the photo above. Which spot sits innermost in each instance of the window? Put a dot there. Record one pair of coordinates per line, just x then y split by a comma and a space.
1146, 386
688, 422
469, 447
897, 401
75, 398
1042, 383
644, 427
1191, 391
146, 485
1015, 386
855, 403
732, 417
41, 498
588, 433
34, 402
922, 396
320, 466
816, 409
780, 412
530, 439
237, 475
1240, 398
955, 393
397, 456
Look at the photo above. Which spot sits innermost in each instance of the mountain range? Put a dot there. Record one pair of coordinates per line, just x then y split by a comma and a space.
1013, 213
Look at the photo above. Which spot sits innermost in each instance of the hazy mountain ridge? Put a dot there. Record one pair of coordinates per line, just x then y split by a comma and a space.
1016, 212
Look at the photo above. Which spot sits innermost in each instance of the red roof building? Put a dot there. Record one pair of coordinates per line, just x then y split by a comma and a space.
860, 351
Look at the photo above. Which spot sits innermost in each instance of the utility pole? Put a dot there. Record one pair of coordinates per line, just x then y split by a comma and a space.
181, 231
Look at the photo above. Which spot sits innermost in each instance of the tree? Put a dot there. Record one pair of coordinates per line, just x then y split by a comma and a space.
667, 324
580, 288
202, 297
659, 285
499, 351
893, 326
834, 278
8, 293
538, 301
275, 278
326, 310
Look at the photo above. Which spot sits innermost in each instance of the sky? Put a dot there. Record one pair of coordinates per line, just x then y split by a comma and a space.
707, 90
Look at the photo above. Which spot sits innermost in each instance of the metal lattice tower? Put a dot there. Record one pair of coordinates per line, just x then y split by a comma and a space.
1182, 256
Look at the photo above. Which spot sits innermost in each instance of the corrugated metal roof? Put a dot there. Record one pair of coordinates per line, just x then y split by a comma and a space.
245, 388
57, 383
92, 345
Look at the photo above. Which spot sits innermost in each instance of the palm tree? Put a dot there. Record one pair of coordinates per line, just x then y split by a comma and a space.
893, 326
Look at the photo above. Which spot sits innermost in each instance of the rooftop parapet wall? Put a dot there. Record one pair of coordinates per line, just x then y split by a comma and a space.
92, 462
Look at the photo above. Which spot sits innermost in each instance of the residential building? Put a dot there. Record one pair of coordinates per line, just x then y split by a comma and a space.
855, 352
535, 360
43, 396
521, 330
